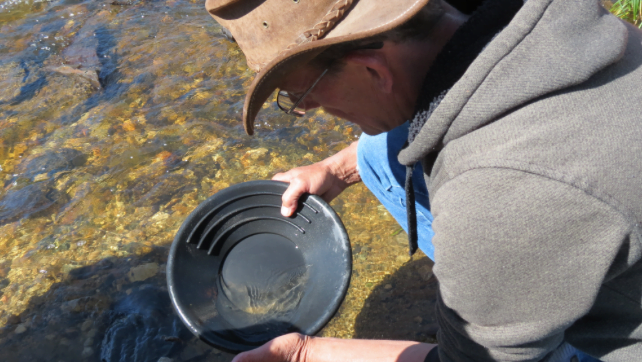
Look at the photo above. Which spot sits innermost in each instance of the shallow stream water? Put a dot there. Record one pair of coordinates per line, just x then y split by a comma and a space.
116, 120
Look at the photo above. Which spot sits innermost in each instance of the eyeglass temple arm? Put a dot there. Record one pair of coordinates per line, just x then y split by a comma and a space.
307, 92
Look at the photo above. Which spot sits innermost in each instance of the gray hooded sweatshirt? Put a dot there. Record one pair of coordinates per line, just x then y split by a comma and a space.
533, 162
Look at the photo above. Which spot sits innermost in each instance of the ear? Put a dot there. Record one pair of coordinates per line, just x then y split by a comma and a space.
376, 64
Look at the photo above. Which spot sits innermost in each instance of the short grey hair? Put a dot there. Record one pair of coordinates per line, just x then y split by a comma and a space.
418, 27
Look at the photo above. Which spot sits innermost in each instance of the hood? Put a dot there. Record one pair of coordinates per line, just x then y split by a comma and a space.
549, 45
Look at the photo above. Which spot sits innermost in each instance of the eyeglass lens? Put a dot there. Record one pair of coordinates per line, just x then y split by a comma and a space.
286, 102
291, 104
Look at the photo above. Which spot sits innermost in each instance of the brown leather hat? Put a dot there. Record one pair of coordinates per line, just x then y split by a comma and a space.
280, 35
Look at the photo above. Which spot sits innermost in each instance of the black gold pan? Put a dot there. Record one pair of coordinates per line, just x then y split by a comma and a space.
240, 274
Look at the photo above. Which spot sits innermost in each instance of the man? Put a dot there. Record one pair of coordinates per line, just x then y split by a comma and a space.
525, 120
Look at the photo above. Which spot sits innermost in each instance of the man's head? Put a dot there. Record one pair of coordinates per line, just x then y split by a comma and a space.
375, 54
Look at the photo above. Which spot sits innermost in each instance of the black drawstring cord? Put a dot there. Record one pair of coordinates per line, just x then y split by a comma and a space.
411, 211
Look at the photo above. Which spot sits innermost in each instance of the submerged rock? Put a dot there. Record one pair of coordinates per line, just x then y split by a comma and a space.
4, 282
20, 329
163, 191
143, 272
81, 57
20, 202
26, 201
87, 352
49, 163
90, 74
141, 327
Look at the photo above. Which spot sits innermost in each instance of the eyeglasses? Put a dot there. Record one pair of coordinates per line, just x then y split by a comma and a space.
286, 101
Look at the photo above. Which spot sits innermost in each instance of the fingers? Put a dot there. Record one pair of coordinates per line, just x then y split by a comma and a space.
281, 349
302, 180
282, 176
291, 196
264, 353
292, 193
249, 356
315, 179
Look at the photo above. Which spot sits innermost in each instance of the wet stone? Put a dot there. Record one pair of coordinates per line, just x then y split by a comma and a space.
26, 201
86, 325
143, 272
163, 191
92, 333
87, 352
5, 267
139, 324
21, 328
425, 271
51, 162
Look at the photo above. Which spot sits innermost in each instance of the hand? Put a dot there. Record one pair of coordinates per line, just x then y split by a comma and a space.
327, 178
316, 179
295, 347
287, 348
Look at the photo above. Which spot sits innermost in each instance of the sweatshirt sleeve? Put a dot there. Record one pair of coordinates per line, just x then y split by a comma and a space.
519, 258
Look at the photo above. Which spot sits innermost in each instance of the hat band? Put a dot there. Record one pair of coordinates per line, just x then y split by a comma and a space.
327, 23
318, 31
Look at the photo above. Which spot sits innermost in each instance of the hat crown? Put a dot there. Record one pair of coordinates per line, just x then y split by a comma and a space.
265, 28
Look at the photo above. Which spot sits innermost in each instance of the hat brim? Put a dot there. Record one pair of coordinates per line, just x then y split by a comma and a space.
366, 18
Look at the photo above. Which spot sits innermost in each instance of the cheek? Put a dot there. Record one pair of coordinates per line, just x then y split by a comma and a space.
325, 96
342, 95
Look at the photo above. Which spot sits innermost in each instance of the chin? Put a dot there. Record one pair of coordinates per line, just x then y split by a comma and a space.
371, 131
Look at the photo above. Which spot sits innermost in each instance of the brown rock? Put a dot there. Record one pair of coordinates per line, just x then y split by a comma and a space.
425, 272
143, 272
89, 74
20, 329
